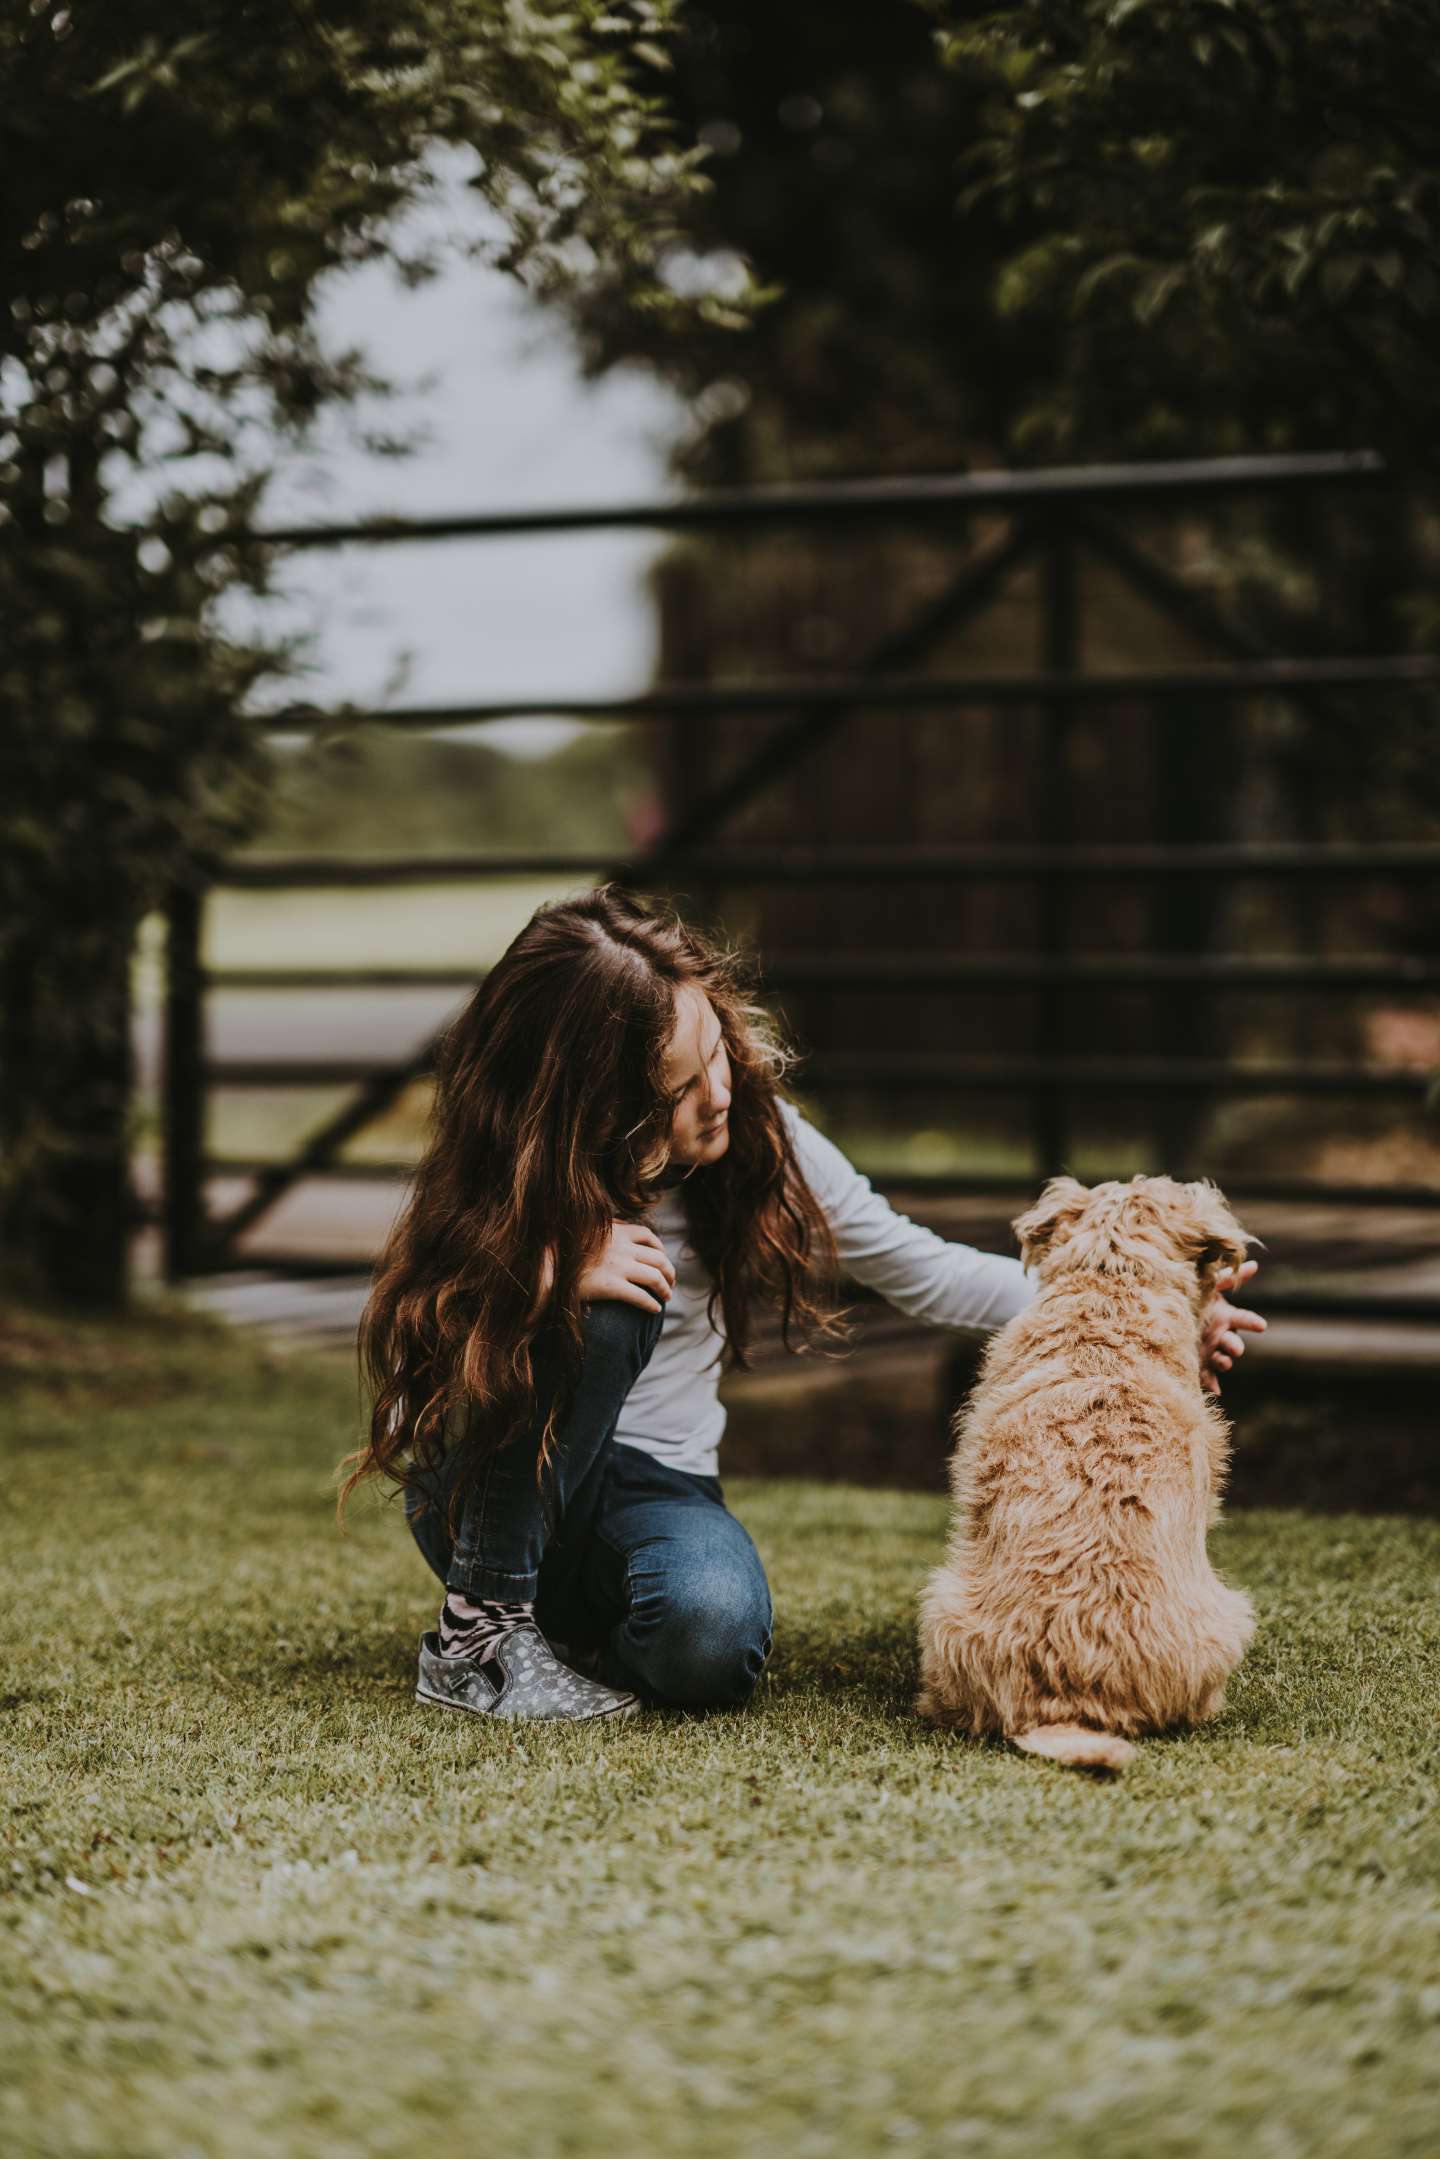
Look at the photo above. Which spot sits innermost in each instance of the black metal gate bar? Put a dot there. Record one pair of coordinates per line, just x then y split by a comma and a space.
942, 495
817, 716
1295, 1298
1018, 1186
970, 591
1064, 503
813, 865
907, 971
183, 1086
721, 700
1060, 660
915, 1068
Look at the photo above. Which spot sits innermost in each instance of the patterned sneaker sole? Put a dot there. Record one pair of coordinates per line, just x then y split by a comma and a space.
598, 1716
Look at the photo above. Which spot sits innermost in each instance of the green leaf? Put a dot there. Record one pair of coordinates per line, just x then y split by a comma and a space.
1339, 276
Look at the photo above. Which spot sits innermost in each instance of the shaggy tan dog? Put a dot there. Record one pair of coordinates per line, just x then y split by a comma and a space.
1077, 1603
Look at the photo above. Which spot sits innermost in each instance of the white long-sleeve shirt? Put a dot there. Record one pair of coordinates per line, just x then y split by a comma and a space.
673, 1411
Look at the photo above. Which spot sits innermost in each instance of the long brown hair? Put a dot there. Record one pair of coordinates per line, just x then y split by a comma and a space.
552, 1120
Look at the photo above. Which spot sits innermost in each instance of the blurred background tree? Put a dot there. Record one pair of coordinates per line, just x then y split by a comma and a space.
1226, 227
376, 790
1053, 232
177, 183
1029, 234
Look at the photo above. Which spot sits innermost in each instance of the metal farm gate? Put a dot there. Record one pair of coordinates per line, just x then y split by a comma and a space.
1050, 519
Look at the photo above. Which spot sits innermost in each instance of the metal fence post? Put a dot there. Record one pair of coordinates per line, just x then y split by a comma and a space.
1059, 656
183, 1093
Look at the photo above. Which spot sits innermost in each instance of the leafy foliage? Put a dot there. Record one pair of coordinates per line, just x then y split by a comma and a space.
1225, 218
174, 201
1233, 210
1048, 231
1119, 229
833, 138
178, 184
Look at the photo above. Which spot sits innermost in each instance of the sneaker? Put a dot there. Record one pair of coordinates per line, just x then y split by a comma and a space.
523, 1679
577, 1656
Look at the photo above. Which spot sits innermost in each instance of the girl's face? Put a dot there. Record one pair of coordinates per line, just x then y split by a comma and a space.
697, 1074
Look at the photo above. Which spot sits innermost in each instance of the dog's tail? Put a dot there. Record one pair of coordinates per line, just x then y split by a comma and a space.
1076, 1745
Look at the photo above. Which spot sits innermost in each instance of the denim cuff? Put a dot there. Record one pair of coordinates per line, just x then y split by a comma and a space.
472, 1580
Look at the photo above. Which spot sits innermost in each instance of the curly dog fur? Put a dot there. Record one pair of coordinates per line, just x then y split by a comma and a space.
1077, 1605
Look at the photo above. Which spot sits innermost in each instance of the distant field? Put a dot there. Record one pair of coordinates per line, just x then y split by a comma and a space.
468, 926
439, 925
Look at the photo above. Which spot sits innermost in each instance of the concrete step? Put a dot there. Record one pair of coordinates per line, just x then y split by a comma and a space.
326, 1312
289, 1311
1326, 1412
1350, 1246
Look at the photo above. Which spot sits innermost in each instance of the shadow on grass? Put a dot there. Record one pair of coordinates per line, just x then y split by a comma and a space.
873, 1663
873, 1670
381, 1660
862, 1669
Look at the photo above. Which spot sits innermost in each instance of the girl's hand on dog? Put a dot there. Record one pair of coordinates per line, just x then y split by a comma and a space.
1226, 1327
633, 1267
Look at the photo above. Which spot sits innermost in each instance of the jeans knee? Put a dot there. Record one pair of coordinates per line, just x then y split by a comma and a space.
704, 1644
613, 1329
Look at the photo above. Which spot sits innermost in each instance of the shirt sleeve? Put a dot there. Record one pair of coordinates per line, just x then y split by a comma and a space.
947, 1285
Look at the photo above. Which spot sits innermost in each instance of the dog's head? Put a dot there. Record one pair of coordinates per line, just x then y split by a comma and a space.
1131, 1229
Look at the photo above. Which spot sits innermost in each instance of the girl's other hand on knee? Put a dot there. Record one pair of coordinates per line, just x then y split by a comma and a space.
633, 1268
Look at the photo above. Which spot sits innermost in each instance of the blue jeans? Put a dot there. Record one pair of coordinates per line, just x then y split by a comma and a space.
621, 1554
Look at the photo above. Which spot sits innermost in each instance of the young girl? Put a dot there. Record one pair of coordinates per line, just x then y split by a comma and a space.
613, 1181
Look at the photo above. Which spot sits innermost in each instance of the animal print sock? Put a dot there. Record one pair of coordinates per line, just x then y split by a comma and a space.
477, 1630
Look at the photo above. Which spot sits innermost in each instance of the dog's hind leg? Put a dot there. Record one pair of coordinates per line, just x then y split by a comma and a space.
951, 1690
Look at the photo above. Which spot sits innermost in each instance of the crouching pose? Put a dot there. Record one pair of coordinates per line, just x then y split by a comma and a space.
1077, 1603
613, 1183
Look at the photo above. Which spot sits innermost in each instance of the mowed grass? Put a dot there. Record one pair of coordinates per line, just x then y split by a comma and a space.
256, 1901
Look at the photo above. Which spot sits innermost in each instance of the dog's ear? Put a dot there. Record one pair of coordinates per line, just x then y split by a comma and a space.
1052, 1217
1208, 1232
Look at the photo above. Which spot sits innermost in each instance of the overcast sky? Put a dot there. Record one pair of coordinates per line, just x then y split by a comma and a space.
510, 423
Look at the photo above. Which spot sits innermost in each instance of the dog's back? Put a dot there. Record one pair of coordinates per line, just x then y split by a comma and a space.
1077, 1604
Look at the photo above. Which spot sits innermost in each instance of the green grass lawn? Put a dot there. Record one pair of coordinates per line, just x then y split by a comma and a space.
258, 1902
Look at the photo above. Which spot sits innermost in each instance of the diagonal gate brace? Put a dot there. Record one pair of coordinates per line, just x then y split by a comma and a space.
972, 591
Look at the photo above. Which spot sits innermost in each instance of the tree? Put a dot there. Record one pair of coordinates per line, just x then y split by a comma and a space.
1058, 231
178, 183
1047, 233
1234, 210
834, 136
1081, 230
1227, 229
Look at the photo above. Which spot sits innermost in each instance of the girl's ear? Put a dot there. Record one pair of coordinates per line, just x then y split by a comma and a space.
1052, 1217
